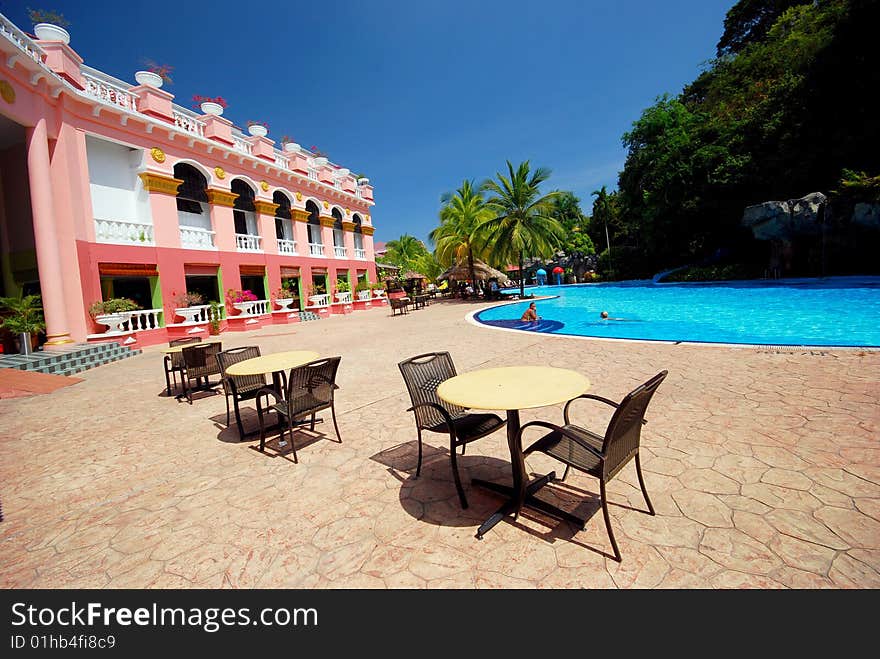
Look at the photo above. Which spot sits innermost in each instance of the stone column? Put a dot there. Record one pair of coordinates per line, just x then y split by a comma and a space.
348, 238
266, 225
221, 202
45, 236
301, 232
327, 222
367, 232
163, 207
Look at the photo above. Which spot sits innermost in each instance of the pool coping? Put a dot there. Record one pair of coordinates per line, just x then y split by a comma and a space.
471, 318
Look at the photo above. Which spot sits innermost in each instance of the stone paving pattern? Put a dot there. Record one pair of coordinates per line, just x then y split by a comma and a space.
763, 465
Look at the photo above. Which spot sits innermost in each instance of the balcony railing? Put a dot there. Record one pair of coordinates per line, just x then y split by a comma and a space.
313, 174
195, 238
248, 243
20, 39
241, 144
253, 307
320, 300
188, 124
316, 249
123, 232
143, 319
107, 92
282, 161
196, 314
339, 252
286, 246
360, 253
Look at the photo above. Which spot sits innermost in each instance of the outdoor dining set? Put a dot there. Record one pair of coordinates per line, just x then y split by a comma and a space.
442, 401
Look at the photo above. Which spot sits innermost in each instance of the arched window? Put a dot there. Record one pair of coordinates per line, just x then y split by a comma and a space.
192, 193
283, 228
314, 225
243, 210
358, 234
338, 237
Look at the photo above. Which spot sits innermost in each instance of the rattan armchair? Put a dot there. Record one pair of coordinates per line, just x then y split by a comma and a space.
310, 389
423, 374
199, 364
239, 388
601, 456
174, 360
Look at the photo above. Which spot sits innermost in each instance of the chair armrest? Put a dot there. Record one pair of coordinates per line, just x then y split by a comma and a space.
601, 399
565, 433
267, 391
443, 412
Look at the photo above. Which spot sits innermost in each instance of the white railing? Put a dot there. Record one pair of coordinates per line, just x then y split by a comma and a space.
143, 319
107, 92
321, 300
313, 174
188, 124
286, 246
241, 144
357, 192
253, 307
339, 252
365, 296
316, 249
344, 298
20, 39
123, 232
195, 238
360, 253
247, 243
282, 161
197, 313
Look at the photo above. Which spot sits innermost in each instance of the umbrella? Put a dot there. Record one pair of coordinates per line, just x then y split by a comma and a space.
461, 272
541, 271
558, 270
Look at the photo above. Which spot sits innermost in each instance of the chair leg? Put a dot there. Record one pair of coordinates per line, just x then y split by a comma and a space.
167, 383
237, 417
262, 426
617, 556
565, 473
335, 425
455, 476
642, 483
290, 433
312, 428
419, 465
227, 411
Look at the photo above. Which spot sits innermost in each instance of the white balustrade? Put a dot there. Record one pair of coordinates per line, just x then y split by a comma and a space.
123, 232
143, 319
195, 314
360, 253
107, 92
344, 298
241, 144
188, 124
195, 238
282, 161
248, 243
253, 307
20, 39
321, 300
357, 192
313, 174
339, 252
316, 249
286, 246
365, 295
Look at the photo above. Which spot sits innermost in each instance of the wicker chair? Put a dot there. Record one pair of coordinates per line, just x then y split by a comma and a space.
399, 305
199, 363
597, 455
310, 389
239, 387
174, 361
423, 374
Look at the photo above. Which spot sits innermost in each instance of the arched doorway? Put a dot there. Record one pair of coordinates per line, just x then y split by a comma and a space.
283, 224
192, 208
247, 237
314, 229
359, 252
338, 234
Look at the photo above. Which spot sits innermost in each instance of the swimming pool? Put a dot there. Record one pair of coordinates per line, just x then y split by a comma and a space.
836, 311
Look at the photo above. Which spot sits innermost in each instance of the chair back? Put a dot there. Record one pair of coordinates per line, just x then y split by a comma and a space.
423, 374
200, 360
311, 386
625, 428
242, 383
177, 357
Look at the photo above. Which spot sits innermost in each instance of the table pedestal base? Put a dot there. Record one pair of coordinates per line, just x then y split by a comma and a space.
530, 500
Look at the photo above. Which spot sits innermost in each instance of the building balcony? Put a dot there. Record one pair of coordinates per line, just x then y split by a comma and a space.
316, 249
245, 242
195, 238
360, 253
286, 246
339, 252
124, 232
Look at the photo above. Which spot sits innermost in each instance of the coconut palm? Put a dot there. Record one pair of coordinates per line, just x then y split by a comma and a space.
455, 239
404, 251
522, 219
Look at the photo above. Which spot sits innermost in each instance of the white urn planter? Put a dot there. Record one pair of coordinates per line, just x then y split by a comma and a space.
245, 308
343, 297
291, 147
320, 161
189, 314
364, 296
258, 131
49, 32
284, 303
319, 300
379, 292
113, 321
209, 107
148, 78
363, 180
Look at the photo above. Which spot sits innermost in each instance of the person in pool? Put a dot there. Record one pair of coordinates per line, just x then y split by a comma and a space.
531, 313
604, 316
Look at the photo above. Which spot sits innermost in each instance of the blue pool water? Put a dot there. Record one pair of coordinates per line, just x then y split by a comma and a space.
837, 311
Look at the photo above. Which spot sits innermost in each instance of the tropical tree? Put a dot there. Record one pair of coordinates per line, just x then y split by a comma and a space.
428, 265
522, 218
404, 251
456, 238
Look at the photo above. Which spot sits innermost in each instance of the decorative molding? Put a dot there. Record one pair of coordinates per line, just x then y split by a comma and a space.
157, 154
348, 226
348, 211
160, 183
7, 92
265, 207
220, 173
326, 204
300, 215
299, 196
367, 231
264, 185
327, 221
219, 197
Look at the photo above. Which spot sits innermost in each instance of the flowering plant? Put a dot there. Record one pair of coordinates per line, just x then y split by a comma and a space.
241, 296
257, 123
317, 152
188, 299
51, 17
287, 139
219, 100
161, 70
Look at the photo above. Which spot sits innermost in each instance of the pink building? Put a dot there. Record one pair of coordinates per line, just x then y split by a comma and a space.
109, 190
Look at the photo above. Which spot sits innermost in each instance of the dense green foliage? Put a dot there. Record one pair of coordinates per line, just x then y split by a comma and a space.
404, 252
455, 239
26, 315
781, 112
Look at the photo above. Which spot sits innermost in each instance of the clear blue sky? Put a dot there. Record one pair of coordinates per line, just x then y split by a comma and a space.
417, 95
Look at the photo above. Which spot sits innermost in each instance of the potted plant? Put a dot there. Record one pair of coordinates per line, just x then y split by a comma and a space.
154, 75
26, 320
363, 291
186, 306
317, 295
378, 289
284, 296
113, 313
361, 179
214, 317
244, 301
318, 156
258, 128
49, 25
210, 104
343, 290
289, 145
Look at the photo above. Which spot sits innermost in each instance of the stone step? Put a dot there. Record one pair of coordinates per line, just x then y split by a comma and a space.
69, 359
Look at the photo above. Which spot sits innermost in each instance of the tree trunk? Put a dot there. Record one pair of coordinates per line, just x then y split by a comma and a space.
471, 271
522, 276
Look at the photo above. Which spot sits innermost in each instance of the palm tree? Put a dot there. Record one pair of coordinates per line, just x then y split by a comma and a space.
403, 251
522, 220
455, 239
601, 211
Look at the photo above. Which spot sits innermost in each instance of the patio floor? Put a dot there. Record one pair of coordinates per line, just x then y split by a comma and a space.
763, 465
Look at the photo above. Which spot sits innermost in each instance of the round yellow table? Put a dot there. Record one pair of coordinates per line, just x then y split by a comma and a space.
170, 349
277, 362
512, 389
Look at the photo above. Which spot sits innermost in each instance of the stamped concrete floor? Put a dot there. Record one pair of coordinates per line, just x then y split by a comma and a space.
763, 466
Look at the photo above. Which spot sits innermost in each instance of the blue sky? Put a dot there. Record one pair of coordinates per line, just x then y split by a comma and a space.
417, 95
